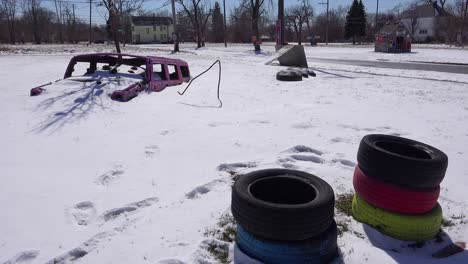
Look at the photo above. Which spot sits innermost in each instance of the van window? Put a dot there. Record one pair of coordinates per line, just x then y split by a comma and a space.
158, 72
185, 71
173, 75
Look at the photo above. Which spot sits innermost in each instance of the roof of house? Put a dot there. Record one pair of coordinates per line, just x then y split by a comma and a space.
391, 27
426, 10
151, 20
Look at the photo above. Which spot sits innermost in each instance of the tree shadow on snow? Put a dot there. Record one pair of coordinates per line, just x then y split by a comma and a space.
414, 253
83, 101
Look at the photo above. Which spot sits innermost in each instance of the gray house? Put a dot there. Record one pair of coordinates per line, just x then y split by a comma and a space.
426, 22
151, 29
393, 37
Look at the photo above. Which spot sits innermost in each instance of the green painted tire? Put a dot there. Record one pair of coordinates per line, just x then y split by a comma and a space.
421, 227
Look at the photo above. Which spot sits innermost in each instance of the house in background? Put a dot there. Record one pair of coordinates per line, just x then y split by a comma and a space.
151, 29
426, 22
393, 37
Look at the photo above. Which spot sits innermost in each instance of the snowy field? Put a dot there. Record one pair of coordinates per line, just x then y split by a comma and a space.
89, 180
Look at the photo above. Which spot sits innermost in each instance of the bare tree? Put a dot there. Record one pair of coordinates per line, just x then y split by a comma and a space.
336, 21
111, 7
205, 14
460, 11
442, 3
70, 19
239, 26
412, 16
256, 9
8, 8
127, 8
116, 11
32, 8
58, 13
298, 16
198, 14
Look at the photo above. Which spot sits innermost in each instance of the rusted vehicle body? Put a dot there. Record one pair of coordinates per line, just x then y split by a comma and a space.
151, 73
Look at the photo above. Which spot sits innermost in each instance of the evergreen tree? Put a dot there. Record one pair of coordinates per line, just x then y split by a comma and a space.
355, 21
217, 26
362, 19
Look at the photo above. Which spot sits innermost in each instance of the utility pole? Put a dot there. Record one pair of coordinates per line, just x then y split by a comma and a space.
465, 12
326, 27
328, 21
280, 25
90, 26
175, 34
225, 37
121, 25
376, 16
74, 24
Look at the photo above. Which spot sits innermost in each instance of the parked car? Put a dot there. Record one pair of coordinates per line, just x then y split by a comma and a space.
115, 71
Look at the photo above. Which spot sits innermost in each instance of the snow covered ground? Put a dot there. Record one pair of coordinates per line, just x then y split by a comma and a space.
89, 180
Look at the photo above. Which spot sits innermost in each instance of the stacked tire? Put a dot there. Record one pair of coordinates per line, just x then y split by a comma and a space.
396, 186
284, 216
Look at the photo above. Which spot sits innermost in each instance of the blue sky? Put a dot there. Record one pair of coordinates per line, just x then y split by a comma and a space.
82, 9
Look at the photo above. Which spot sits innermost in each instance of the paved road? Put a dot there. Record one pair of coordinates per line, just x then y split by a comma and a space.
419, 66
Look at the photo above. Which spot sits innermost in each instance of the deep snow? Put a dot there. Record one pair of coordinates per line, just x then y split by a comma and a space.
89, 180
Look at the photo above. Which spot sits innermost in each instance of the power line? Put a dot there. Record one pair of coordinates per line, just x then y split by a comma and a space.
326, 30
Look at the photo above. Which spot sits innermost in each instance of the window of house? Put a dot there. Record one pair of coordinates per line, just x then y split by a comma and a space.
159, 72
173, 75
162, 36
154, 27
423, 31
147, 30
154, 38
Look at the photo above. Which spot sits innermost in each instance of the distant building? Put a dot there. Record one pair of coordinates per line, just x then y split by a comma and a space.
151, 29
393, 37
426, 22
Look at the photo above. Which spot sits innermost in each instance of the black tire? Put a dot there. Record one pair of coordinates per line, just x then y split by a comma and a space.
403, 162
282, 204
303, 72
320, 249
289, 76
311, 72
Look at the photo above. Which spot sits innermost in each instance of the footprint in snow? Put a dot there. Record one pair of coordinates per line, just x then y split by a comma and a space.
116, 212
170, 261
345, 162
235, 166
24, 257
290, 166
84, 249
203, 189
313, 159
83, 213
340, 140
151, 150
260, 121
302, 126
110, 176
303, 149
356, 128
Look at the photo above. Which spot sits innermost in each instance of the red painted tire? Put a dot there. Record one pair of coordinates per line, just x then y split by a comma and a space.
394, 198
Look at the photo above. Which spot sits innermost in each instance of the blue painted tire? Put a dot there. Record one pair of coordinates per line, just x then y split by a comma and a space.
320, 249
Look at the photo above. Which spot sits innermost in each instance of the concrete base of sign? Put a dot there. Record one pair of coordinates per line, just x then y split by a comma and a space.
295, 56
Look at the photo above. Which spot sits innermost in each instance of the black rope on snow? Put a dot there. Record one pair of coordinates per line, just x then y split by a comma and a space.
219, 81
